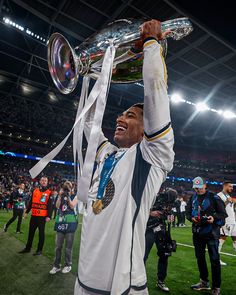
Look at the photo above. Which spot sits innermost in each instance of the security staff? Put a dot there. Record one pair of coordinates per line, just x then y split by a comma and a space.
207, 213
41, 205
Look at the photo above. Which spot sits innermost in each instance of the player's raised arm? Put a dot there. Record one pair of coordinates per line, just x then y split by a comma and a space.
157, 146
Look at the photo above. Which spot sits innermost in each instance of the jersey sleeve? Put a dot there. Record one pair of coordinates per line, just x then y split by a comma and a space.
157, 145
220, 212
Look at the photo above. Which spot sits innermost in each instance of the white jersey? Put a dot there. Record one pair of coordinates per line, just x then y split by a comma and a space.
229, 208
182, 206
113, 242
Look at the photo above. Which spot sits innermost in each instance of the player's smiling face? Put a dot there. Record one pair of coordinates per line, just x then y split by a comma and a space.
129, 127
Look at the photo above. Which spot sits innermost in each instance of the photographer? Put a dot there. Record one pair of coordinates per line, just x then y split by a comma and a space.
65, 226
207, 213
158, 232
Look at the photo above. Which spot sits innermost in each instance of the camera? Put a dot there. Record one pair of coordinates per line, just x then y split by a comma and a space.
166, 247
67, 186
165, 201
202, 219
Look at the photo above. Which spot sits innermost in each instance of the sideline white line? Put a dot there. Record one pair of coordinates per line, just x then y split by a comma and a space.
190, 246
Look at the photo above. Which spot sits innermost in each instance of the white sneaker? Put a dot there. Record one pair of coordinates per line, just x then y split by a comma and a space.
66, 269
222, 263
54, 270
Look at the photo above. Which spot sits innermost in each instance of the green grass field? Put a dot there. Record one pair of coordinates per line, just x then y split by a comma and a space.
27, 274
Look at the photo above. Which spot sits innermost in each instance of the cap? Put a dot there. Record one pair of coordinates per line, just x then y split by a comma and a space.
198, 182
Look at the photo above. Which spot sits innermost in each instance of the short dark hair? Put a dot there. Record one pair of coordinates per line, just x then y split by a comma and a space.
138, 105
227, 181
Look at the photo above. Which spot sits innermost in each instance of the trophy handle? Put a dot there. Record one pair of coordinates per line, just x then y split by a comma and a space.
180, 27
63, 63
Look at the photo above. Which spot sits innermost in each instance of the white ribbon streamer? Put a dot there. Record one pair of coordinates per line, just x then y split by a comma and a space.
98, 95
84, 182
78, 130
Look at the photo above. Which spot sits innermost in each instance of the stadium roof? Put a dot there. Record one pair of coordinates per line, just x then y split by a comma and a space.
201, 67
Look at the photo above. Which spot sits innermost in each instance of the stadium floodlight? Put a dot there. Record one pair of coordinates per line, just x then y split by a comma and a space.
201, 107
228, 114
176, 98
52, 97
7, 21
26, 89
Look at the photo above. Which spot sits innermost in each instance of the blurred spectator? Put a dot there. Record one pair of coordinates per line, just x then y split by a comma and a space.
18, 198
176, 213
183, 205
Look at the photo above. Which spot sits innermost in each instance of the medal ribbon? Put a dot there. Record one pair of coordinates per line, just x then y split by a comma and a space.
107, 170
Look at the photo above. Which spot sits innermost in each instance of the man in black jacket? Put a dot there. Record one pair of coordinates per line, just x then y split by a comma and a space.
18, 198
207, 213
158, 232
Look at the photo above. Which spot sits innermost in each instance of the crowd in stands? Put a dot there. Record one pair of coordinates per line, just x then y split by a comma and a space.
14, 171
215, 166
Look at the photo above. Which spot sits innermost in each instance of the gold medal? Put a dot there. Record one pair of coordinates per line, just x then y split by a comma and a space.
97, 206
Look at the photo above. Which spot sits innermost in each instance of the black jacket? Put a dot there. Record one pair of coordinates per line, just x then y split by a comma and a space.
202, 206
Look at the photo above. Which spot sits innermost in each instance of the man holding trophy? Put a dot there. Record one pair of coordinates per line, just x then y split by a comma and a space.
113, 232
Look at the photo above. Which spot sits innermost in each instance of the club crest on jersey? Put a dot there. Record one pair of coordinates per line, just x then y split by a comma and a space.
43, 198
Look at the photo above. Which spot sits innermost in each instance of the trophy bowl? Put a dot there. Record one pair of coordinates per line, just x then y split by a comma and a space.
66, 64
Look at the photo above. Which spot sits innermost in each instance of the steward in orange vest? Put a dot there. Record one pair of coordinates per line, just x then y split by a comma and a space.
40, 202
41, 206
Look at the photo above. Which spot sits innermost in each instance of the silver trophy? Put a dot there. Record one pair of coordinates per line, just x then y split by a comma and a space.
66, 63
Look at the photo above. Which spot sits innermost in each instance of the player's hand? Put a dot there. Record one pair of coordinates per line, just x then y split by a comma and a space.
210, 219
155, 213
152, 28
194, 219
47, 219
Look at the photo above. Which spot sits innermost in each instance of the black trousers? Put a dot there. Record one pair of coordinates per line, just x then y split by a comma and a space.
200, 247
36, 222
16, 213
182, 217
54, 212
177, 217
162, 263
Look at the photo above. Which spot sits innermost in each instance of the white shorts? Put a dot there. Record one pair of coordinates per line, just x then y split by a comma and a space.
78, 290
228, 230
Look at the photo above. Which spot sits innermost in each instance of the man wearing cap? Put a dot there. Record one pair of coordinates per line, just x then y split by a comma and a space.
207, 213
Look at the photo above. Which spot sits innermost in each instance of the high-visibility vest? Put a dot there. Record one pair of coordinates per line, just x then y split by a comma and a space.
39, 202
